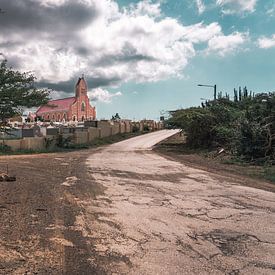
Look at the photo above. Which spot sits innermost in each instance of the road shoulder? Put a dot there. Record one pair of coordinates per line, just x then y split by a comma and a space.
214, 167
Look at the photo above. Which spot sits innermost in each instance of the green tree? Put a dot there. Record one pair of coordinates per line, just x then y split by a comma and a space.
18, 91
116, 117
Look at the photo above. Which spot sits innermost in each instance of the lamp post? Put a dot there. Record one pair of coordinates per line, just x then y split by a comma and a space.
211, 86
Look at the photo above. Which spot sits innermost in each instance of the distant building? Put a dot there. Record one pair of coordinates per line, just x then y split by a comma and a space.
77, 108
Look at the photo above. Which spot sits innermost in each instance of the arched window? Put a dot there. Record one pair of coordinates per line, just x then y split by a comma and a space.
48, 117
83, 118
58, 117
74, 118
64, 116
83, 106
53, 117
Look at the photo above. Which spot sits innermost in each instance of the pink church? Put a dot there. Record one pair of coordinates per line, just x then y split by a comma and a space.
77, 108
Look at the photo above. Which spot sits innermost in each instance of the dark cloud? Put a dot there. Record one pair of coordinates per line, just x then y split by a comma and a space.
101, 81
109, 60
69, 86
128, 54
83, 51
13, 61
30, 15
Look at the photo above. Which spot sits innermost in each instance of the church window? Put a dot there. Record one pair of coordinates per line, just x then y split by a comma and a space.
83, 106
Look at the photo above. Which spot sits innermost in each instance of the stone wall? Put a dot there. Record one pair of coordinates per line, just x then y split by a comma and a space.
31, 143
78, 135
93, 133
81, 137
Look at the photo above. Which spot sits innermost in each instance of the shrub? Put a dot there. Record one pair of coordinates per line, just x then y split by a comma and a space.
246, 126
4, 148
146, 128
135, 129
63, 142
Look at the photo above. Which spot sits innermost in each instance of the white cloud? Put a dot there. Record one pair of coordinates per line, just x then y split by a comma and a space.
201, 7
225, 44
145, 7
200, 33
237, 6
133, 44
102, 95
266, 42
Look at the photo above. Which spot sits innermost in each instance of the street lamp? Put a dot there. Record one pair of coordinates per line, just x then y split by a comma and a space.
211, 86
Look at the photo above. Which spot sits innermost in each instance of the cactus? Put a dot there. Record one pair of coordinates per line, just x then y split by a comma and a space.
235, 95
240, 94
245, 93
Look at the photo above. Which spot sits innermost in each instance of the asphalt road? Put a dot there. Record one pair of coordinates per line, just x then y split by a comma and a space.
158, 216
125, 209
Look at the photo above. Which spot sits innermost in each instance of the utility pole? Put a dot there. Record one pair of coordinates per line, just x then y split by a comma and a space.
211, 86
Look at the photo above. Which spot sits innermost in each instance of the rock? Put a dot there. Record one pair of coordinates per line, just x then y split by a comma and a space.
6, 177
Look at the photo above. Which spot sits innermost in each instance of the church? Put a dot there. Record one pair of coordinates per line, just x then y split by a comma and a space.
77, 108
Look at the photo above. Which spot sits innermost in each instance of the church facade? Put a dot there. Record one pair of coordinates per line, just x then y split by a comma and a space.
77, 108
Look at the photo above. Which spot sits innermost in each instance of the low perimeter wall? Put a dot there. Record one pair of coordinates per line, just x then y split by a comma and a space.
78, 136
32, 143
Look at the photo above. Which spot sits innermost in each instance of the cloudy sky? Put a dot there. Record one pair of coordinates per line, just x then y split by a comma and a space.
142, 57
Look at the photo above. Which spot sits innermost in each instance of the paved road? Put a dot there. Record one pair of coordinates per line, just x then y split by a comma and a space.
124, 209
159, 216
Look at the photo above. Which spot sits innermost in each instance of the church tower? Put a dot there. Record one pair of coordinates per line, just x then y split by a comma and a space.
84, 110
81, 87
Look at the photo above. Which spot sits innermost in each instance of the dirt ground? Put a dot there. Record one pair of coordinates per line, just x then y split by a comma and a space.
124, 209
39, 233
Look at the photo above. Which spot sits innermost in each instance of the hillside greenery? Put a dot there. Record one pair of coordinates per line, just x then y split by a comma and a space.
244, 126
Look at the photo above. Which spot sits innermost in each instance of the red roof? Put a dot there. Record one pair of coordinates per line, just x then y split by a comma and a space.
56, 105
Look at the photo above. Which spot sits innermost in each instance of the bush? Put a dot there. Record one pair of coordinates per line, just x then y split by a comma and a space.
246, 127
146, 128
63, 142
250, 140
5, 148
198, 125
135, 129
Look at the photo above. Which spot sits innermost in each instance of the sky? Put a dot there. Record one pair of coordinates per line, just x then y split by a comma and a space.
141, 58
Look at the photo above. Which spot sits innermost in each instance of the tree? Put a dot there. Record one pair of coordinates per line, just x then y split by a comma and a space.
116, 117
18, 91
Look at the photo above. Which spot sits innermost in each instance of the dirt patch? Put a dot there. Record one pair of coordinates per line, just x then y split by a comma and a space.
39, 228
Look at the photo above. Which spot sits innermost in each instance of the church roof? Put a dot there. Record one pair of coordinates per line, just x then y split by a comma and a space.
56, 105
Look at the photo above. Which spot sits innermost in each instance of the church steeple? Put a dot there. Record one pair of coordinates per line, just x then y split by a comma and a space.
81, 87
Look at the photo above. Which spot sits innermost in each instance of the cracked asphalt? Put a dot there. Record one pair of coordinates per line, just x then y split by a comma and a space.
158, 216
125, 209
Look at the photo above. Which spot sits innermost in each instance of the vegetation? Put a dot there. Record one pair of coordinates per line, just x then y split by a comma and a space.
116, 117
146, 128
5, 148
245, 126
17, 91
63, 142
135, 129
